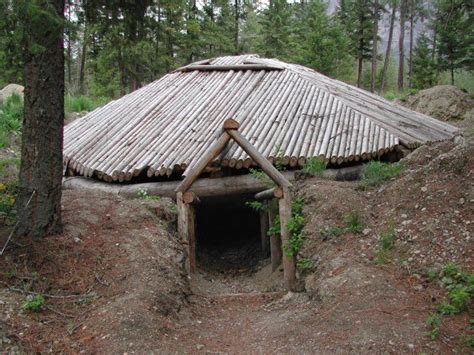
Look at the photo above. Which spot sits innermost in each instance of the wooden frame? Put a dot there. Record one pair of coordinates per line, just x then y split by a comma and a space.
186, 214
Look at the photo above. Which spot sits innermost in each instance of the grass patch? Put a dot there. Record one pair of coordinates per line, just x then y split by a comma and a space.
314, 166
305, 264
33, 303
460, 295
386, 245
83, 103
11, 116
331, 232
142, 194
376, 172
8, 194
354, 222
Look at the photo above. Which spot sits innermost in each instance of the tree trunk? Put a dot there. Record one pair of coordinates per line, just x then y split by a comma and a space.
42, 137
452, 73
82, 66
410, 57
375, 32
360, 61
401, 46
389, 47
236, 29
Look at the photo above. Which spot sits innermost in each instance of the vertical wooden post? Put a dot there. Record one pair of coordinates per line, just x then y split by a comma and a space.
264, 230
289, 267
275, 239
186, 231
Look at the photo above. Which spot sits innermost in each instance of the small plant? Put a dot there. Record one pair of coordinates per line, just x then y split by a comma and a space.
8, 194
11, 116
331, 232
143, 195
314, 166
262, 177
83, 103
376, 172
354, 223
295, 227
305, 264
459, 297
255, 205
275, 229
447, 309
33, 303
433, 321
386, 244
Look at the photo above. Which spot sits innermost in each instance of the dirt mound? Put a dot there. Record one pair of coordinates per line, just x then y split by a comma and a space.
444, 102
9, 90
113, 276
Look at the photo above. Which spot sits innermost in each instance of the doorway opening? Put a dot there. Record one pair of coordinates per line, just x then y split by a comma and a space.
228, 235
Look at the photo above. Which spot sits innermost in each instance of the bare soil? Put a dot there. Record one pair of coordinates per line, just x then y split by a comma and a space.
114, 281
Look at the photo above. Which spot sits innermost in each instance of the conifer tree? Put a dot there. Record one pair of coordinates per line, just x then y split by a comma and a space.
424, 68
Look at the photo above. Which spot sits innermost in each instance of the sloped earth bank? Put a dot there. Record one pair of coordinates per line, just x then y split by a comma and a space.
122, 261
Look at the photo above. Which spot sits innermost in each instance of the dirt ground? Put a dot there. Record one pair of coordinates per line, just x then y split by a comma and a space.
114, 281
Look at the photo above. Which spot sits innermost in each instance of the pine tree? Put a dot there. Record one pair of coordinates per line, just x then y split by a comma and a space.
324, 46
41, 172
455, 35
424, 68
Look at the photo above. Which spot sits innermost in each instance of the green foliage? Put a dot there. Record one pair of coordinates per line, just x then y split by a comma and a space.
424, 66
331, 232
82, 103
354, 222
255, 205
386, 244
11, 116
376, 172
34, 303
142, 194
8, 193
460, 287
262, 177
275, 229
314, 166
433, 321
295, 228
305, 264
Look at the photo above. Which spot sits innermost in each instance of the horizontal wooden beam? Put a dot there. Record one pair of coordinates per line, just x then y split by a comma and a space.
205, 67
275, 192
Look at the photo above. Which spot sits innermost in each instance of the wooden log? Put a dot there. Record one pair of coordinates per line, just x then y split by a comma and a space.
231, 124
213, 152
265, 239
230, 67
275, 239
266, 166
190, 198
270, 193
186, 232
207, 187
289, 264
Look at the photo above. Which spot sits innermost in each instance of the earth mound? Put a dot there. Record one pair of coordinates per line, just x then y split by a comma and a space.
444, 102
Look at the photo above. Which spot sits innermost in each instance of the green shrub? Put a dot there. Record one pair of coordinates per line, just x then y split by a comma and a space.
305, 264
255, 205
83, 103
433, 321
8, 194
354, 223
459, 297
376, 172
314, 166
386, 245
331, 232
262, 177
34, 304
11, 116
295, 228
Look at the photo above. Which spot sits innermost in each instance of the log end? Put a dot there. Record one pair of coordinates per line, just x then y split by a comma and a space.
231, 124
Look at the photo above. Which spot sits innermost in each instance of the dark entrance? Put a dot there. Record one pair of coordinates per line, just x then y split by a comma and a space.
228, 235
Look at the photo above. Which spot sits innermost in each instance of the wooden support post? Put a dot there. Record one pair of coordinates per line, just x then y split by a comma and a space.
187, 231
289, 267
264, 230
275, 239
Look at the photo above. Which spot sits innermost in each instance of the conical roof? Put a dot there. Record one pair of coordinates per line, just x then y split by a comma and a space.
288, 112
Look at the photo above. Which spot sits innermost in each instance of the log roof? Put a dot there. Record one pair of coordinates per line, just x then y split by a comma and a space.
288, 112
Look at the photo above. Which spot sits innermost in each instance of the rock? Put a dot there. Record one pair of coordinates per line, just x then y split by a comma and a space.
366, 231
444, 102
199, 346
9, 90
424, 189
